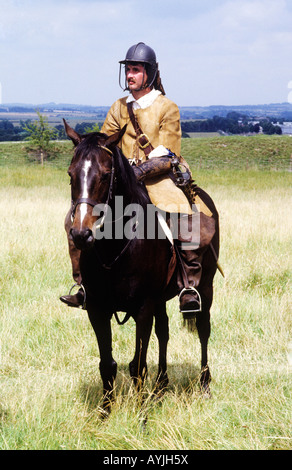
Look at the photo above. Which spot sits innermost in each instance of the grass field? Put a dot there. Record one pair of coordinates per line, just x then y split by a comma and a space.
50, 388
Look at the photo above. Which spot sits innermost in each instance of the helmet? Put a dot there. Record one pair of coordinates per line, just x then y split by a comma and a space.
144, 55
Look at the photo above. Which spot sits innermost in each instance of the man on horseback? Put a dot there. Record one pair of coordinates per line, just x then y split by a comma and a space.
152, 143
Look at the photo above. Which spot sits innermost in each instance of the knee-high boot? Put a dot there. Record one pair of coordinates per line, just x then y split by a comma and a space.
189, 254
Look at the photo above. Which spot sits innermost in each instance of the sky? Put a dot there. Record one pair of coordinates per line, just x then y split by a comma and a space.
212, 52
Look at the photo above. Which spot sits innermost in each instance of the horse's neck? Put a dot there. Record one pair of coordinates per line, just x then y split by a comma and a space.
132, 195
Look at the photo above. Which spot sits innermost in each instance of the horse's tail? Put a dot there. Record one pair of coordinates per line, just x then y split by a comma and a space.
190, 324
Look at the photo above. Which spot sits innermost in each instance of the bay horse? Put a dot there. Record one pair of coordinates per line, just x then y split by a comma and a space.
127, 274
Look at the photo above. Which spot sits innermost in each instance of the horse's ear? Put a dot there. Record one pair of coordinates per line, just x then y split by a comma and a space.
73, 135
115, 138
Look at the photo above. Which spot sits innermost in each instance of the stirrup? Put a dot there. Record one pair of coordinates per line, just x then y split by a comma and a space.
81, 286
191, 290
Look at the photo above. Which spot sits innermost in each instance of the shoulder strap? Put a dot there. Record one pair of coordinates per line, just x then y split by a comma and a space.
142, 139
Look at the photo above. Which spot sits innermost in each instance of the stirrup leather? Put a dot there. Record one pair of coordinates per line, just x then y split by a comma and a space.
81, 286
191, 290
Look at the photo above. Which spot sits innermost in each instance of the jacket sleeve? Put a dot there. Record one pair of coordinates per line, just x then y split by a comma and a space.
170, 130
111, 123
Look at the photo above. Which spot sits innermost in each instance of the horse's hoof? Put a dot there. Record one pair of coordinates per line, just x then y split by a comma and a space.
104, 413
161, 384
206, 392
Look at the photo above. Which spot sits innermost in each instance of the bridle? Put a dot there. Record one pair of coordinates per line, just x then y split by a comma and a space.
92, 202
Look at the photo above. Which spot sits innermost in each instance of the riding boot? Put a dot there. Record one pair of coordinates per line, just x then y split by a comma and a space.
78, 299
189, 276
190, 256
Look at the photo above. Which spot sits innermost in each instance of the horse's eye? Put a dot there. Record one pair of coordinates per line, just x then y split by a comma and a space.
104, 177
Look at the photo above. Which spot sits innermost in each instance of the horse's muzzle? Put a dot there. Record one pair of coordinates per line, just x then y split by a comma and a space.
83, 239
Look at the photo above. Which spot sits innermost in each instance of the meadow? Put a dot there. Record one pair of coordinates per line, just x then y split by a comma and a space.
50, 388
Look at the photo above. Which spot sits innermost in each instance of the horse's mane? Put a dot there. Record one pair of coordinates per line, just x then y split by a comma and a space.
126, 178
89, 143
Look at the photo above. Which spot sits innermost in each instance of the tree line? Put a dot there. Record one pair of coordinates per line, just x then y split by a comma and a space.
24, 131
233, 123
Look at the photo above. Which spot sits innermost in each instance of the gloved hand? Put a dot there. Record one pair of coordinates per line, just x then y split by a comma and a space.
153, 167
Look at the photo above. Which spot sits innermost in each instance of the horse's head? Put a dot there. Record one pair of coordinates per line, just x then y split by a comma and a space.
92, 174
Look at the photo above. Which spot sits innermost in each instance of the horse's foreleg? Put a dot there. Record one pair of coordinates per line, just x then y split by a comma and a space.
162, 333
138, 366
107, 366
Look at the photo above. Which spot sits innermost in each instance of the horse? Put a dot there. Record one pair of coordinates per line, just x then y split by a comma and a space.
131, 274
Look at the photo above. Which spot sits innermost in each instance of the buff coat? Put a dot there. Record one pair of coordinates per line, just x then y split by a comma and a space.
161, 123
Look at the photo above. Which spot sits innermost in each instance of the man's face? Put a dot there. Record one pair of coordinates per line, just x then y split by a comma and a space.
136, 76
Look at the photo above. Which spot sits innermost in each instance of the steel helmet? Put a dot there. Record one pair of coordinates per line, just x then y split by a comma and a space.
142, 54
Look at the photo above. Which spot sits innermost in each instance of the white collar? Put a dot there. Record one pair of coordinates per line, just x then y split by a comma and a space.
144, 101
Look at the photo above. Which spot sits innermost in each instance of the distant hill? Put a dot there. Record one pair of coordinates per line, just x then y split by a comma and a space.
278, 110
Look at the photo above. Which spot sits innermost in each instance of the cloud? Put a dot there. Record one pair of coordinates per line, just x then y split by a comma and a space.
215, 52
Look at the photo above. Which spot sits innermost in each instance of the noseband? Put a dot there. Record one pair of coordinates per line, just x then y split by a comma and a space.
92, 202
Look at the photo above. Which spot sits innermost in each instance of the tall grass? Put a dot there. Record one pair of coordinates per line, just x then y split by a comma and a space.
50, 388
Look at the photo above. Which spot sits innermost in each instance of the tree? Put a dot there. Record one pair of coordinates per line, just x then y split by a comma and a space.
86, 127
40, 134
256, 128
278, 130
60, 132
7, 130
267, 127
92, 128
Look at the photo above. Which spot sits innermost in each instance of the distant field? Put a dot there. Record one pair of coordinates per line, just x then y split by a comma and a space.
203, 135
50, 387
54, 119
